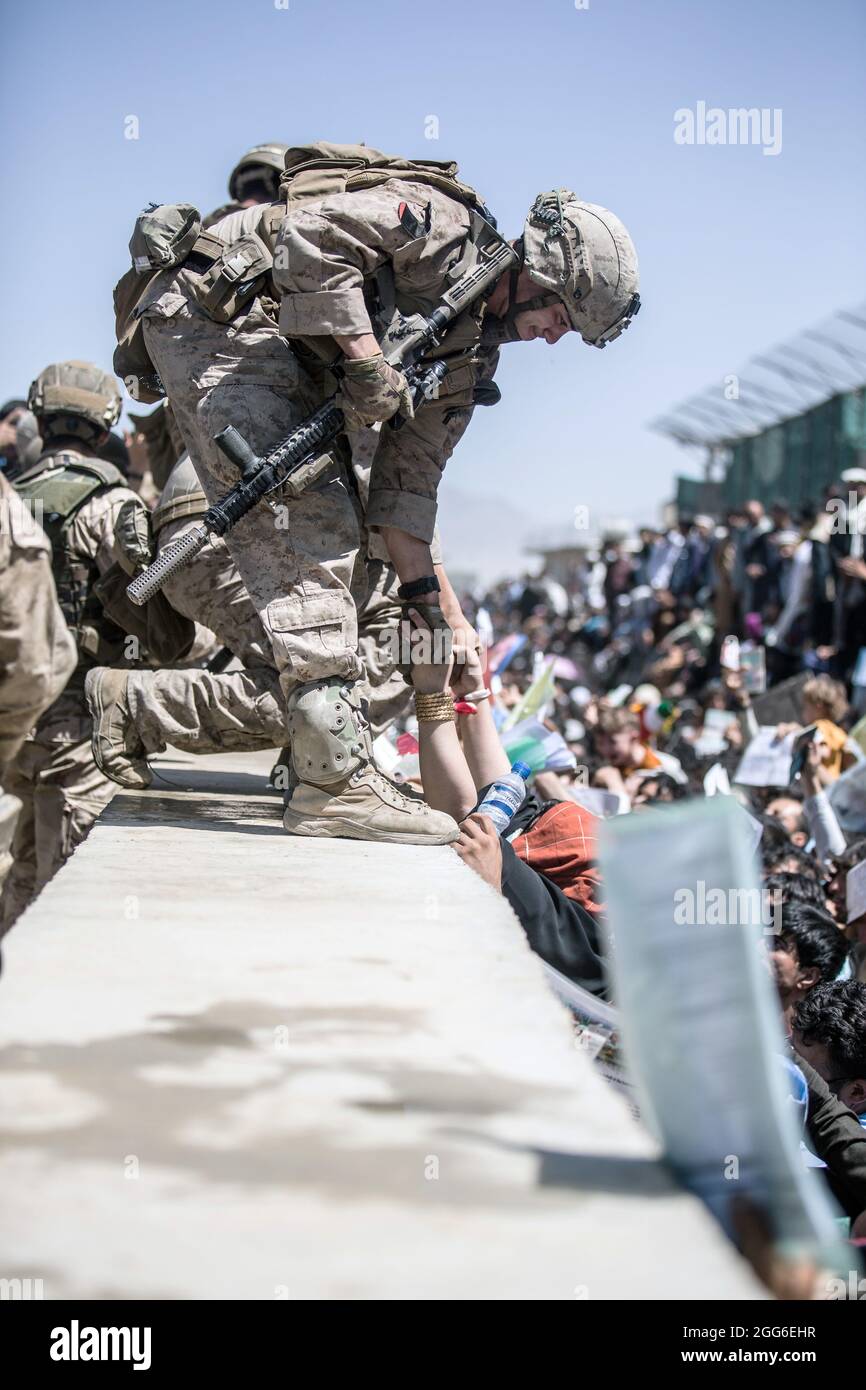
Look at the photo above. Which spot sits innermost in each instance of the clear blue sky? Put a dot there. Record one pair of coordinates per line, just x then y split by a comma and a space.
737, 249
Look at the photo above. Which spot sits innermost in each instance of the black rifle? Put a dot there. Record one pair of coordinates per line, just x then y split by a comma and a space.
405, 344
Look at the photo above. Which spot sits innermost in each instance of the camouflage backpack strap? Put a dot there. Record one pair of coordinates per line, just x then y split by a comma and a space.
322, 169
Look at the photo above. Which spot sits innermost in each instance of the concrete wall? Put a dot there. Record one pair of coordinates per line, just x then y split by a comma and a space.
234, 1064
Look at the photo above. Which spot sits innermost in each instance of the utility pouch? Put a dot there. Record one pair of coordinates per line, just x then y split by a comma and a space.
161, 239
231, 280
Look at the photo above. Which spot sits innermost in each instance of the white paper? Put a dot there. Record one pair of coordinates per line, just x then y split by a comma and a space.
597, 1027
855, 891
719, 719
767, 760
710, 743
717, 782
385, 754
701, 1021
755, 827
847, 796
596, 800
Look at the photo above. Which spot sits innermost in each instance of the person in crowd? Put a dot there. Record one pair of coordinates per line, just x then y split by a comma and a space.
755, 563
808, 950
787, 808
829, 1031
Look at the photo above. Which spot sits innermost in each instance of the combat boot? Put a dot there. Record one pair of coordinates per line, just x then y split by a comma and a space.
340, 793
117, 748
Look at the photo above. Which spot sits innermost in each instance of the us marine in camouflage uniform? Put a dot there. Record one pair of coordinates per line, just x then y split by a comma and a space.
78, 497
37, 653
202, 711
340, 267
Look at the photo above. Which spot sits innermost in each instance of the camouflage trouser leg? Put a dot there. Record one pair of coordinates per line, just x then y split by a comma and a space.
388, 695
211, 592
298, 565
62, 792
199, 712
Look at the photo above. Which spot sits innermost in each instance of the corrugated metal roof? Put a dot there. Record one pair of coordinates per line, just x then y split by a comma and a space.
778, 385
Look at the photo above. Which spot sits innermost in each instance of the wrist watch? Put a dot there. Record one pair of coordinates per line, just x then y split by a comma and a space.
416, 587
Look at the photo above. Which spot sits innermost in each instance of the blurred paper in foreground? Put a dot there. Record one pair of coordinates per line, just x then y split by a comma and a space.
700, 1020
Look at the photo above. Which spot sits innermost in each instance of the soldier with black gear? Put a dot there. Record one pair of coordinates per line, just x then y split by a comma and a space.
78, 497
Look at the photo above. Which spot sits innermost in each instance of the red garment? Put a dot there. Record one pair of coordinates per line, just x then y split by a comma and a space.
561, 845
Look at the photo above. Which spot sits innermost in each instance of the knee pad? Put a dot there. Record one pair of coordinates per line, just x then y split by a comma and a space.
330, 733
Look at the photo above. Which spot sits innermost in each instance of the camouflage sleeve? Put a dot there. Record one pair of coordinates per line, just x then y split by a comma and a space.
407, 467
91, 530
37, 653
325, 251
408, 464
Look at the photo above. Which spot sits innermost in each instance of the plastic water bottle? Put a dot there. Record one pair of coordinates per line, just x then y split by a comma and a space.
505, 796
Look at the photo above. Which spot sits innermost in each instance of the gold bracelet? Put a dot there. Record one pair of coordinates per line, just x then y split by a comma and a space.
432, 707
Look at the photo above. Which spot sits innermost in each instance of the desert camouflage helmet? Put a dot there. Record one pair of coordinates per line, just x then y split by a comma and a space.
78, 392
582, 253
270, 156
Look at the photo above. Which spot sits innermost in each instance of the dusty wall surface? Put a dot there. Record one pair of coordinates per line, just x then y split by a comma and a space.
237, 1064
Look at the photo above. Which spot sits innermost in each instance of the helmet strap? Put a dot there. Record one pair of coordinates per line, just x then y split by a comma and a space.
515, 306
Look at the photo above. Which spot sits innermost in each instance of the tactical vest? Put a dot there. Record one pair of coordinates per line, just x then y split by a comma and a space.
60, 486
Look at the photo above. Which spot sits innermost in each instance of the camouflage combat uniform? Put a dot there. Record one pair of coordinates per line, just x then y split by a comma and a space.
308, 581
37, 653
54, 776
242, 330
203, 712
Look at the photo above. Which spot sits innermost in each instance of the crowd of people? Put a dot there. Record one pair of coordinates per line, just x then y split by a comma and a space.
668, 652
647, 667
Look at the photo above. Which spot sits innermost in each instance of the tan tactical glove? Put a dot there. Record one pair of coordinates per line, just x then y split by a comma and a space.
372, 392
430, 637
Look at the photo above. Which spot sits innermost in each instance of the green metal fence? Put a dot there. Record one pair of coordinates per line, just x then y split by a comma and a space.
795, 461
